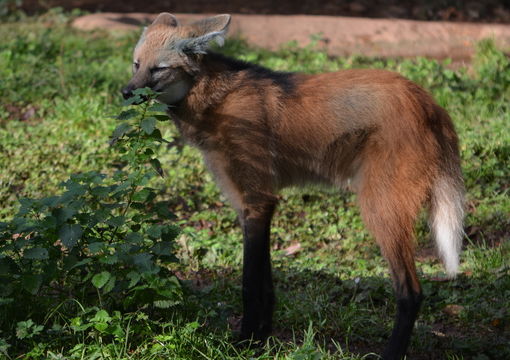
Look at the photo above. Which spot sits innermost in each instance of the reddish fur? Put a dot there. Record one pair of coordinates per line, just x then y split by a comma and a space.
386, 136
371, 130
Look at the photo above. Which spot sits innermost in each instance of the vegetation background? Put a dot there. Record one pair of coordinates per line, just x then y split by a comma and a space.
60, 103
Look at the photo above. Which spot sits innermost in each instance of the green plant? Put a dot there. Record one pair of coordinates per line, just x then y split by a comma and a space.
27, 329
104, 241
493, 71
56, 84
9, 6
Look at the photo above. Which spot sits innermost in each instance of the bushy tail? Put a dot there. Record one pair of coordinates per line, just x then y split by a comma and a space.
446, 219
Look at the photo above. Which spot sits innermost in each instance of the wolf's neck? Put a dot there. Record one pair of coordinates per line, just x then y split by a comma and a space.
218, 77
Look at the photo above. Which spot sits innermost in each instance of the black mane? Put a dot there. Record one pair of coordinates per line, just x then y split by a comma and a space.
285, 80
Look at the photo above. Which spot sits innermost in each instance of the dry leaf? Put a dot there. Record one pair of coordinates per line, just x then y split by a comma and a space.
292, 249
453, 310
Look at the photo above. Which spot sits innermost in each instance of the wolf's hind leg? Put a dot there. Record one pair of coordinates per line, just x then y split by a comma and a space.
390, 216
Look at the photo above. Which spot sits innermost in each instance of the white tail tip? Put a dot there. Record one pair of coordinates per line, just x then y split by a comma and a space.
446, 219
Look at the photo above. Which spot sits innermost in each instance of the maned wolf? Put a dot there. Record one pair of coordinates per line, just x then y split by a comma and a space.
260, 131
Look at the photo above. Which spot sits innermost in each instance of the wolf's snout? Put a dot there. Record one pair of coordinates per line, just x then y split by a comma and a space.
127, 92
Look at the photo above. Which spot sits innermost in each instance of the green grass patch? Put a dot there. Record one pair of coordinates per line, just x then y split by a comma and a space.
58, 87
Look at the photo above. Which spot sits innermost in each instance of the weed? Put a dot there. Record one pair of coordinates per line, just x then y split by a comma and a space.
334, 277
102, 242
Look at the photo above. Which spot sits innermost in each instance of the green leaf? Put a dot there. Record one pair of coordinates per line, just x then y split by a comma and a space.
75, 188
109, 285
31, 283
70, 234
134, 237
69, 261
161, 117
146, 91
120, 130
8, 267
96, 247
77, 324
165, 304
101, 316
63, 214
51, 270
170, 232
158, 108
100, 280
154, 231
132, 100
143, 261
140, 218
77, 204
27, 329
148, 125
81, 263
163, 210
127, 114
116, 221
98, 216
109, 259
133, 277
26, 206
22, 241
5, 301
137, 205
36, 253
100, 326
116, 330
144, 195
156, 135
156, 165
124, 249
48, 222
50, 201
163, 248
168, 290
21, 225
100, 191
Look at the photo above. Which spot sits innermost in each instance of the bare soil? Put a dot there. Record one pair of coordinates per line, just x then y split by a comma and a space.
487, 11
337, 35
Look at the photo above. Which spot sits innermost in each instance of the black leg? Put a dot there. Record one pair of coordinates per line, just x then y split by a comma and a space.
258, 294
408, 305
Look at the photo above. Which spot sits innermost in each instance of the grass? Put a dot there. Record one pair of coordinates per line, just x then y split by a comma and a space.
59, 85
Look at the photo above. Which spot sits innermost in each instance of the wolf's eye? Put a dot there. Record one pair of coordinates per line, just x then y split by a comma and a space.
136, 66
159, 69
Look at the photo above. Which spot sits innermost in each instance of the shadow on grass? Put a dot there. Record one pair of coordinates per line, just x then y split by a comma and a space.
460, 319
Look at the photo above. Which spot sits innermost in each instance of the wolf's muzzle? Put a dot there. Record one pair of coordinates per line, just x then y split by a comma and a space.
127, 92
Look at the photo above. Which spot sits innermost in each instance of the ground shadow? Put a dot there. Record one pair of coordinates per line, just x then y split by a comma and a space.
358, 313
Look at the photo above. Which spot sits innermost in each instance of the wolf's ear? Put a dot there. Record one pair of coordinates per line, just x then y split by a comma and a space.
166, 19
202, 32
218, 23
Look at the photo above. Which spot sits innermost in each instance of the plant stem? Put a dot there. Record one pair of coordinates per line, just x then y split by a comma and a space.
135, 186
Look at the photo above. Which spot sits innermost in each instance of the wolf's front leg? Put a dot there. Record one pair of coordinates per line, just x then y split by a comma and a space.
258, 294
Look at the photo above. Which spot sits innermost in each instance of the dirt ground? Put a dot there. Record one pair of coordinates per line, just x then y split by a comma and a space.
486, 11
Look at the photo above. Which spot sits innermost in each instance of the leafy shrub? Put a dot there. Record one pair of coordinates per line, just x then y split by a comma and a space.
492, 68
103, 241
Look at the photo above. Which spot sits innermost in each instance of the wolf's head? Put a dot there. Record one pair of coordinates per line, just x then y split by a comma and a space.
167, 55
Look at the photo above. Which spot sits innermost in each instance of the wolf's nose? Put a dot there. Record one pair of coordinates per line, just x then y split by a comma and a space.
127, 92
